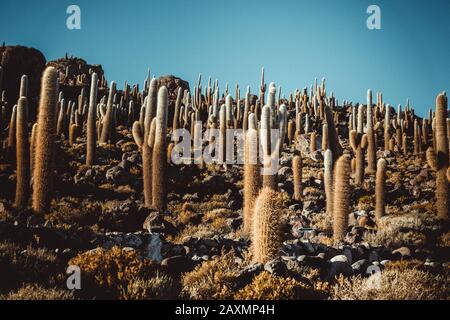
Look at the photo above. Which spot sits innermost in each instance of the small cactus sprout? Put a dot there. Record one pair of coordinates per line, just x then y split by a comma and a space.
380, 189
159, 161
45, 142
297, 177
328, 180
251, 176
266, 232
91, 122
341, 197
438, 159
22, 155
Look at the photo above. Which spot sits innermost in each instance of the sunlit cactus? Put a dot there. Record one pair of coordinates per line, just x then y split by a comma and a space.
45, 142
252, 176
341, 197
380, 188
438, 158
266, 232
159, 161
22, 155
91, 122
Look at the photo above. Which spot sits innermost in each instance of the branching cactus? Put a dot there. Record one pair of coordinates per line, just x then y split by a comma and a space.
22, 155
159, 162
91, 122
380, 187
251, 176
328, 180
108, 119
438, 159
358, 142
45, 142
341, 197
297, 177
141, 134
266, 232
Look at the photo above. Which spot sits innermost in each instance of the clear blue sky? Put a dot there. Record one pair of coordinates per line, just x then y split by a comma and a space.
230, 40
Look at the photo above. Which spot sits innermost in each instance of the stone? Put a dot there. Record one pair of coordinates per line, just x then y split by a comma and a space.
339, 258
275, 267
153, 251
177, 264
338, 268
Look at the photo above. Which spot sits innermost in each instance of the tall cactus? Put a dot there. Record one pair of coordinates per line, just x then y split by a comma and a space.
45, 142
358, 142
108, 119
438, 159
251, 176
269, 177
159, 161
141, 134
328, 180
266, 233
91, 122
371, 147
297, 177
380, 186
22, 155
341, 197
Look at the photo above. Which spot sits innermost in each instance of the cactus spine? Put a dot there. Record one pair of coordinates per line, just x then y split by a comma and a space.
22, 155
297, 171
45, 142
266, 234
160, 152
251, 176
341, 197
91, 122
438, 159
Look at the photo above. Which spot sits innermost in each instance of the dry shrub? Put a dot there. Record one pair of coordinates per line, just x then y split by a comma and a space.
36, 292
397, 231
409, 284
268, 287
159, 287
109, 272
211, 280
23, 266
323, 222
